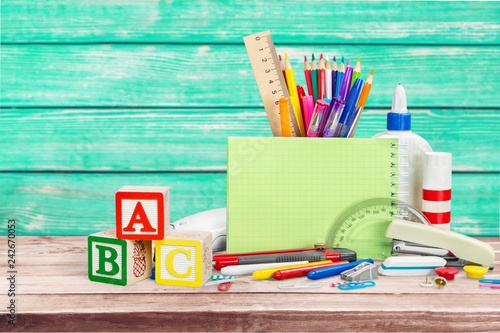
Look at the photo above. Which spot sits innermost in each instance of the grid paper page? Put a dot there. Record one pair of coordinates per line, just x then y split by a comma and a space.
285, 193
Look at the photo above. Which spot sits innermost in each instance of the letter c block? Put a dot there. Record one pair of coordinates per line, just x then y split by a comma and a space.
184, 258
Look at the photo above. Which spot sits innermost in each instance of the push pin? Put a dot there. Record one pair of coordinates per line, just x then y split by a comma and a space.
427, 283
475, 272
446, 272
320, 246
440, 281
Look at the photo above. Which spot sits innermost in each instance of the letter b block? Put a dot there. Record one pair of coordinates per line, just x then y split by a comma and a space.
117, 261
142, 212
184, 258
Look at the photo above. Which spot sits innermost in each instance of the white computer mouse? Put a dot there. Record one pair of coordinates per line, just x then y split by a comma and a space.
213, 220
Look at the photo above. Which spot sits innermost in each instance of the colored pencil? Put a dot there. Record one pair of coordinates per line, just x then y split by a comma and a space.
328, 79
282, 66
307, 75
314, 77
356, 73
321, 77
335, 70
363, 97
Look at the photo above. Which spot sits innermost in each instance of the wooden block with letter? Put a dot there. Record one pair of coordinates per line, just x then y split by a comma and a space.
142, 212
184, 258
118, 261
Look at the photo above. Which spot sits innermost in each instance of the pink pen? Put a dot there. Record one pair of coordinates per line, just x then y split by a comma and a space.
490, 285
319, 112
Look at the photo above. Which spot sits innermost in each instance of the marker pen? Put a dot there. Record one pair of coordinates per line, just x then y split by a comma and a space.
334, 254
335, 270
268, 273
288, 273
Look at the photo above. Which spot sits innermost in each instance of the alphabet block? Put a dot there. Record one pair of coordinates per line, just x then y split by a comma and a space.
117, 261
184, 258
142, 212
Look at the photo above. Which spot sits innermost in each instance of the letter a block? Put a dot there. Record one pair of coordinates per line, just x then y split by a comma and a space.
117, 261
142, 212
184, 258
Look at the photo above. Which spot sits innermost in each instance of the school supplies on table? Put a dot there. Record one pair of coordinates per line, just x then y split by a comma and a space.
285, 193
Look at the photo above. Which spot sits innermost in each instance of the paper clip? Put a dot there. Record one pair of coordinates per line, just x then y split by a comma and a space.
224, 286
356, 285
300, 286
219, 279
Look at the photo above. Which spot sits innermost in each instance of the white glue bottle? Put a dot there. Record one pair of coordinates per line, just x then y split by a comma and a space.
410, 153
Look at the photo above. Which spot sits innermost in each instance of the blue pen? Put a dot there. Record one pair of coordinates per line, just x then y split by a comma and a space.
334, 270
494, 281
347, 117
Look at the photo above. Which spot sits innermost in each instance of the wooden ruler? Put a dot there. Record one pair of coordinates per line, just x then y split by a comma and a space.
270, 80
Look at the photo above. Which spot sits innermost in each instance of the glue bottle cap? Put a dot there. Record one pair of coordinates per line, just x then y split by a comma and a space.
437, 171
399, 119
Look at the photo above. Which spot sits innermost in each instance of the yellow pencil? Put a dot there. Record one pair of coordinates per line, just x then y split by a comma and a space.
286, 125
294, 95
264, 274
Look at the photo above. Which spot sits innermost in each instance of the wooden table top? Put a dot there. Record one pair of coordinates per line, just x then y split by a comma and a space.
53, 293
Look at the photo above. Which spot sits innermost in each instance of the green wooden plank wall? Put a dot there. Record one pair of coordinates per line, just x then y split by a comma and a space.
99, 94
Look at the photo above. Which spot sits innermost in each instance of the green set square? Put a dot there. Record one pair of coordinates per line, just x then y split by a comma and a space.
107, 259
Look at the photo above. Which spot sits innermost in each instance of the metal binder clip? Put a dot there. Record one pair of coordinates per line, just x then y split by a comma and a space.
364, 271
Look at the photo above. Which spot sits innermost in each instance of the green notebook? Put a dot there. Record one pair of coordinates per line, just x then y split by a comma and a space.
285, 193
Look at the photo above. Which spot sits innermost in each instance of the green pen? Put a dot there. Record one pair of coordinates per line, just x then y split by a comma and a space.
356, 73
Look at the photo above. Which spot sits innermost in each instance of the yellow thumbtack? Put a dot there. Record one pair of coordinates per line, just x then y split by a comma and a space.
475, 272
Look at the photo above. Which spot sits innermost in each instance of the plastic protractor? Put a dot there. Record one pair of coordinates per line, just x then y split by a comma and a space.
362, 227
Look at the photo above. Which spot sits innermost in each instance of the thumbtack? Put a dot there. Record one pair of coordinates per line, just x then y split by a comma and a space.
427, 283
475, 272
440, 281
447, 272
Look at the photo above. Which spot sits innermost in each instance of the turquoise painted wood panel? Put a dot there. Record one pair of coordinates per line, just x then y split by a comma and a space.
195, 139
153, 21
220, 75
79, 204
